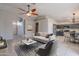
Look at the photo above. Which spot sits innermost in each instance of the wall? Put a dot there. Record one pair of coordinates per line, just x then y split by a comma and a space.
29, 21
51, 22
6, 27
50, 26
45, 24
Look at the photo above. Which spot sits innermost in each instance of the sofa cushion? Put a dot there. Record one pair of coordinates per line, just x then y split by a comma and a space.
47, 36
41, 39
37, 34
53, 37
43, 34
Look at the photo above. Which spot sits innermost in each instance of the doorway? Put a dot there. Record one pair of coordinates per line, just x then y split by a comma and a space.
19, 28
36, 28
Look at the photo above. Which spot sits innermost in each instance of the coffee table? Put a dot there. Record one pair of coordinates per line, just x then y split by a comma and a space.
28, 42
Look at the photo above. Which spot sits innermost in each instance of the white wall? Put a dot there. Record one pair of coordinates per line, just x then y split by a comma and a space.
50, 25
43, 25
6, 27
46, 24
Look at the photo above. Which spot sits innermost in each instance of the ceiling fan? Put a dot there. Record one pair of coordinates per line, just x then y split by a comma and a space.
74, 18
30, 11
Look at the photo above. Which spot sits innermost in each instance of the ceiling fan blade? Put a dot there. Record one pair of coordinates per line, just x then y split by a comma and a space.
22, 13
34, 13
22, 9
30, 11
33, 10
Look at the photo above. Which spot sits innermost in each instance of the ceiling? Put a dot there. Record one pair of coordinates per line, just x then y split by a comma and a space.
60, 12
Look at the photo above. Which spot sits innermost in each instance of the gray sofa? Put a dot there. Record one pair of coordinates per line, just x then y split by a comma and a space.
42, 38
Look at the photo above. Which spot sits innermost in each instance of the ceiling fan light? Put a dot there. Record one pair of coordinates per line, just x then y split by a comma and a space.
28, 14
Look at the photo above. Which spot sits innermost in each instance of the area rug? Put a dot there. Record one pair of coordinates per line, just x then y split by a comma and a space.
27, 50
